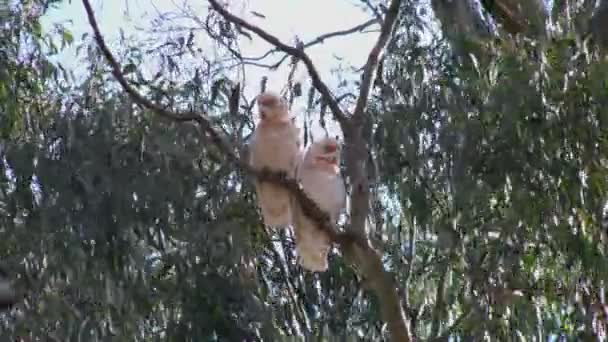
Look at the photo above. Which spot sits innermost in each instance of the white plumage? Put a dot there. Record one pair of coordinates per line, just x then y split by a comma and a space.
320, 177
275, 144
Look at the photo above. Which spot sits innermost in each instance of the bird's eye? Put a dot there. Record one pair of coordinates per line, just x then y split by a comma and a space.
329, 148
268, 101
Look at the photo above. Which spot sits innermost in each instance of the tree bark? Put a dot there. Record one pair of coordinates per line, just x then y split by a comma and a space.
527, 17
462, 21
599, 25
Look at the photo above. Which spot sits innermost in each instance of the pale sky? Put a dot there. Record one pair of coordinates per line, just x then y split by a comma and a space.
285, 19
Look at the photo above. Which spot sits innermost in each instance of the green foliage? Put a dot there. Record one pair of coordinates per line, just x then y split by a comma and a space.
503, 163
491, 181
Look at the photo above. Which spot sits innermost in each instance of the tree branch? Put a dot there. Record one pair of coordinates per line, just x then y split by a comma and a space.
355, 247
374, 55
504, 15
202, 120
292, 51
356, 151
518, 16
373, 9
319, 40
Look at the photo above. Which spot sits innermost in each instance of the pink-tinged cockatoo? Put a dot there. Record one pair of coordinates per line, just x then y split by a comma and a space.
275, 144
319, 175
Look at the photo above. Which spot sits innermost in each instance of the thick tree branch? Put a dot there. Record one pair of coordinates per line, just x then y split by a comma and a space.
374, 55
356, 151
292, 51
321, 39
356, 248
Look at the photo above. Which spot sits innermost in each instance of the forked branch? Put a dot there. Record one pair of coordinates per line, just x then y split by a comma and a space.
319, 40
292, 51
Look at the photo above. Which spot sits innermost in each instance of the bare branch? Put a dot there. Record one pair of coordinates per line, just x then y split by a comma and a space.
292, 51
374, 55
142, 101
319, 40
373, 9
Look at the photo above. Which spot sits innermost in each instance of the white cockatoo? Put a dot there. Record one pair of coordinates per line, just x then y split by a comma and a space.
275, 144
319, 175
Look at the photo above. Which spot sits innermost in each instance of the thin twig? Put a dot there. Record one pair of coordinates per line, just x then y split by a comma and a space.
319, 40
373, 9
292, 51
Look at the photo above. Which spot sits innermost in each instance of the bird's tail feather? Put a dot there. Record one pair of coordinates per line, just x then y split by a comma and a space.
275, 204
312, 244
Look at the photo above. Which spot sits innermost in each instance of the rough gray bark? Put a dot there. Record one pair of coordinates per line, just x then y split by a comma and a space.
527, 17
462, 21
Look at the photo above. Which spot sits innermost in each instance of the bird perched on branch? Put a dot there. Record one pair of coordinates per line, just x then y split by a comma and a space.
319, 174
275, 145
